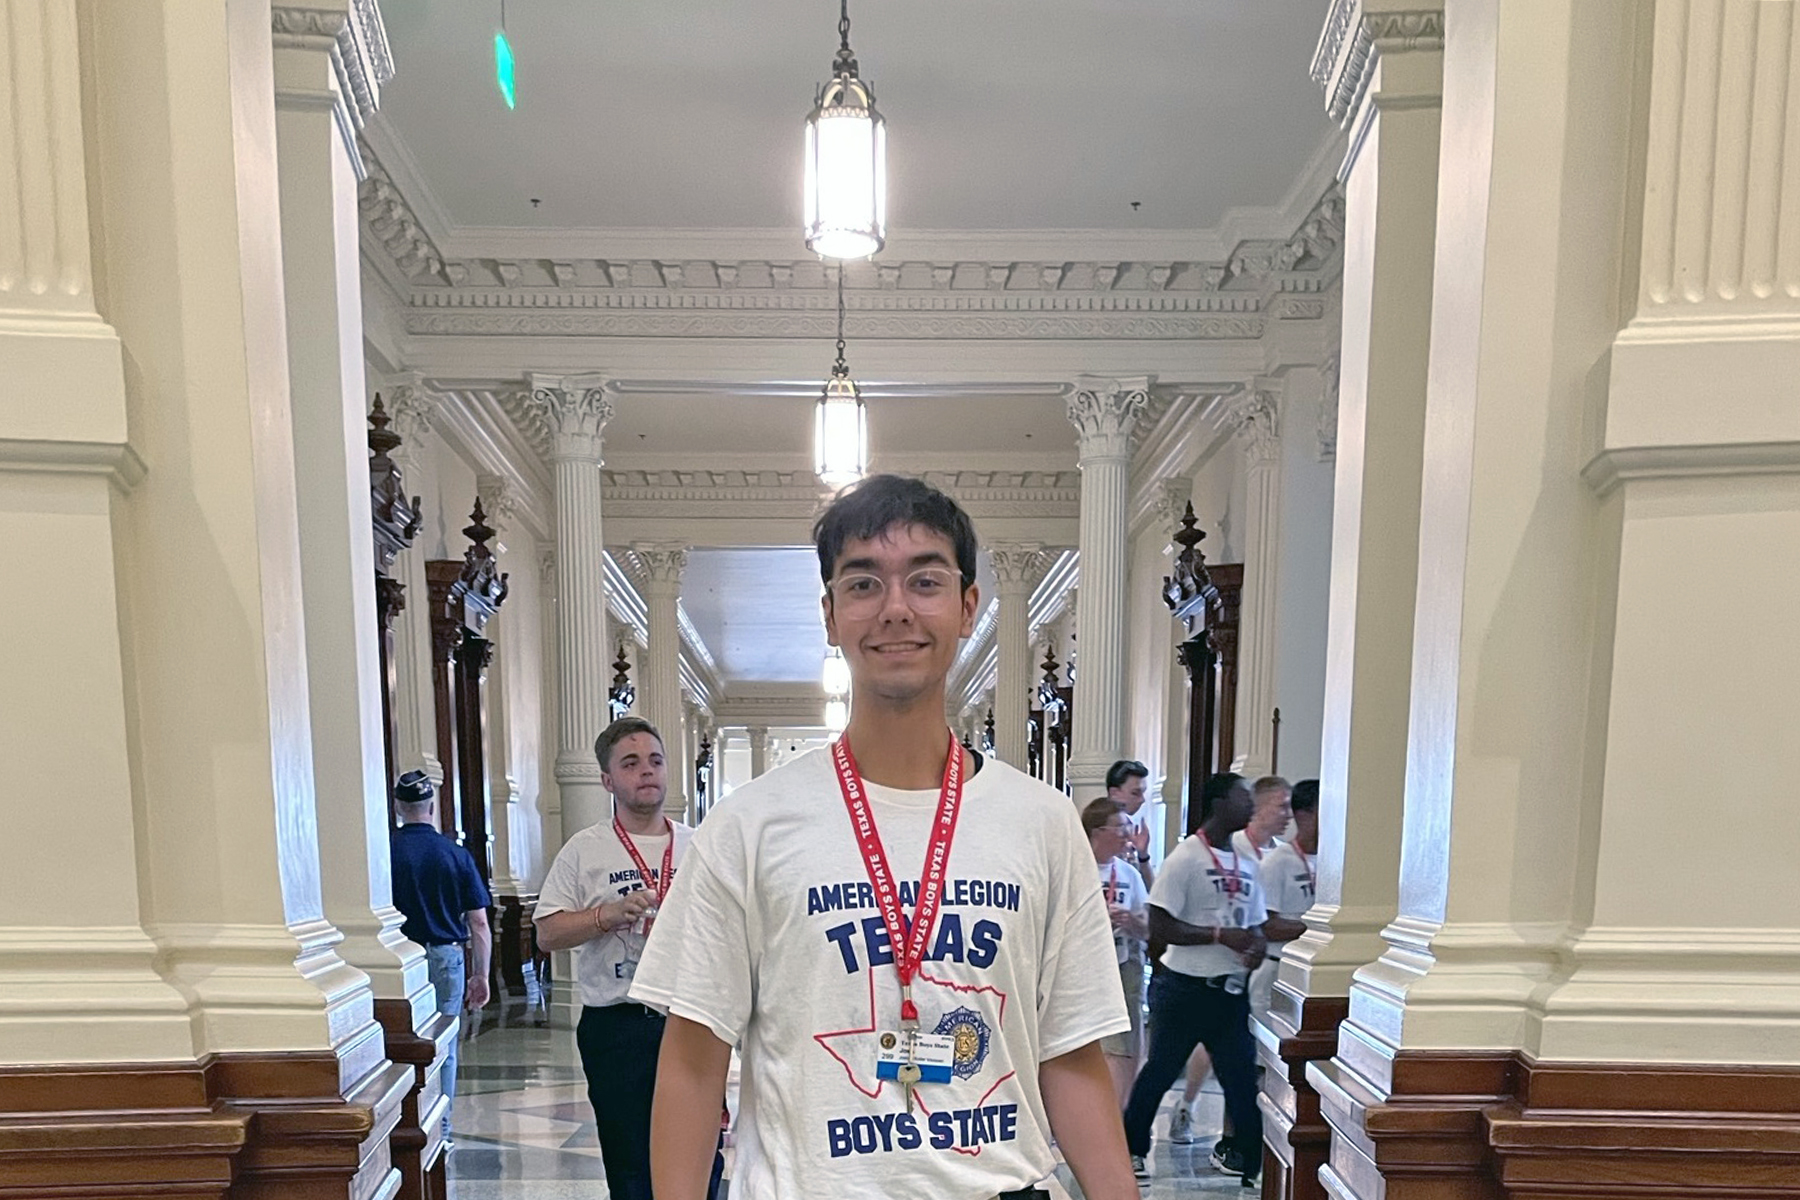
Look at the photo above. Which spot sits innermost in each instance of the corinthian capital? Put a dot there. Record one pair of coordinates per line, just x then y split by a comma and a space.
1016, 564
1256, 412
572, 412
500, 499
1104, 413
1170, 500
662, 563
411, 405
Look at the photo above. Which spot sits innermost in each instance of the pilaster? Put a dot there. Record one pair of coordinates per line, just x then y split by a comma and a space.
659, 691
1105, 413
572, 411
411, 404
759, 749
1255, 412
1171, 499
500, 502
1017, 567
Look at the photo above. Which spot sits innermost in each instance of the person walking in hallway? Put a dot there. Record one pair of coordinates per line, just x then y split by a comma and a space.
906, 1030
1126, 784
1207, 907
600, 900
440, 893
1109, 831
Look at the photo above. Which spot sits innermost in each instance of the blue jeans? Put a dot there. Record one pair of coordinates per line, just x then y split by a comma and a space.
446, 966
1185, 1011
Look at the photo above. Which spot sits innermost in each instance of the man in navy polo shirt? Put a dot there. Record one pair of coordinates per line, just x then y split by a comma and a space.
440, 893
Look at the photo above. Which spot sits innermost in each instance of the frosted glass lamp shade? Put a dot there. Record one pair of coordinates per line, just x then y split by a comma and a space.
841, 434
845, 203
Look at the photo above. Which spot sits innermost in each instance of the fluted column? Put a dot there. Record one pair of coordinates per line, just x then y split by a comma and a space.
79, 979
573, 410
659, 691
1104, 413
317, 170
1016, 568
499, 498
410, 404
1172, 498
1257, 413
759, 749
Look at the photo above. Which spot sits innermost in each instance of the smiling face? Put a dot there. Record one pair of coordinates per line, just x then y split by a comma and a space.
899, 635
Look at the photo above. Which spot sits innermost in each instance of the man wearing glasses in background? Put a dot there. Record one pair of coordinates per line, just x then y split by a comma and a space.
905, 1030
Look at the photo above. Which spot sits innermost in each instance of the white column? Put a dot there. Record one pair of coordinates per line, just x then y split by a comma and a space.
1390, 209
759, 749
1016, 568
1172, 499
1104, 413
500, 501
320, 276
1700, 466
550, 722
574, 410
410, 404
1257, 413
79, 979
659, 691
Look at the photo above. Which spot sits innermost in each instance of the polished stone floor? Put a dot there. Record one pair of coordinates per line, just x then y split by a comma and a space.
524, 1131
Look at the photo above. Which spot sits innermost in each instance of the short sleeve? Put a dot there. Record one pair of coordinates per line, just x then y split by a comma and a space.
559, 892
1140, 895
1079, 997
474, 893
696, 963
1169, 892
1275, 873
1258, 908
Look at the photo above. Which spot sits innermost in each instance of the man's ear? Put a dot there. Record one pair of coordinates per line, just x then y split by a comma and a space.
971, 603
831, 638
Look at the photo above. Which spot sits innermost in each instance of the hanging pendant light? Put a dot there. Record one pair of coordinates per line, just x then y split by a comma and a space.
845, 201
841, 424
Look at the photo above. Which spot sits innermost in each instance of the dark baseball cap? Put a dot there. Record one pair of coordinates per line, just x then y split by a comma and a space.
414, 787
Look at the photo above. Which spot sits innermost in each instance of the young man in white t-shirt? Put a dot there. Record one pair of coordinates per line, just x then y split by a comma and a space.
1127, 784
794, 916
1207, 907
1108, 828
1287, 872
1257, 840
600, 900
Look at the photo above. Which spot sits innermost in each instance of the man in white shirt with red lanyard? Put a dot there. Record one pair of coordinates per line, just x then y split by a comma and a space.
1287, 872
600, 899
905, 1029
1127, 900
1207, 907
1256, 841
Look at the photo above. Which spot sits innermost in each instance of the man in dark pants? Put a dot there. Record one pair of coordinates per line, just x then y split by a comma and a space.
600, 899
440, 893
1207, 906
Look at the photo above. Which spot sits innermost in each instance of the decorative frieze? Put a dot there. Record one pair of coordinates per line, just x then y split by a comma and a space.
1357, 32
796, 494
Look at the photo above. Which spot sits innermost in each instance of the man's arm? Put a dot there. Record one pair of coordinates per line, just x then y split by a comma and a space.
481, 948
573, 927
684, 1115
1282, 929
1084, 1118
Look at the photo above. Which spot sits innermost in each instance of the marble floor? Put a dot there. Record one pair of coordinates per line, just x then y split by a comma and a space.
524, 1131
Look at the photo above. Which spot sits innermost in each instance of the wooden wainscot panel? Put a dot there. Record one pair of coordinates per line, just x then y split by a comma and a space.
114, 1130
1297, 1139
1656, 1132
417, 1143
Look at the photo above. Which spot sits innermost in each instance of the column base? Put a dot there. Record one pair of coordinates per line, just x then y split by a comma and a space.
1500, 1125
1299, 1030
416, 1145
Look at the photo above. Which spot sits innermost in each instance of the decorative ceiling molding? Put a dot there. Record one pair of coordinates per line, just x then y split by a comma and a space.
544, 295
1356, 33
713, 495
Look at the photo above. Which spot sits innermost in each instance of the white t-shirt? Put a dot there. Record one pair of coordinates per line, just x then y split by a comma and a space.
1240, 841
1120, 883
771, 938
593, 868
1191, 888
1287, 879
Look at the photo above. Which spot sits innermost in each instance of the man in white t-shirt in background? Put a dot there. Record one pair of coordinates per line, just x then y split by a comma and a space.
599, 900
1109, 830
1288, 876
1207, 907
1256, 841
904, 940
1127, 782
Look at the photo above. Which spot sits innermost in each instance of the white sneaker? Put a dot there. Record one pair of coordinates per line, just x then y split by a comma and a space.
1181, 1127
1141, 1169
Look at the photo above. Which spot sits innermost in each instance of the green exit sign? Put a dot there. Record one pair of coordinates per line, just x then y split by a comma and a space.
503, 68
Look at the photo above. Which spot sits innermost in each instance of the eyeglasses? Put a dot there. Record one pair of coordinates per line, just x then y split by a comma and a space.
927, 590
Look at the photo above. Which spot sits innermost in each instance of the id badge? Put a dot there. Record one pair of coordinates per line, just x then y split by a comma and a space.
933, 1053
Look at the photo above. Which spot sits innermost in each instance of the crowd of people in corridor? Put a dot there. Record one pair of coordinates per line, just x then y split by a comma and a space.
905, 1029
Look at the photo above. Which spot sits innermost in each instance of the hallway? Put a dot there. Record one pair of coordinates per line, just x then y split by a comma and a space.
524, 1131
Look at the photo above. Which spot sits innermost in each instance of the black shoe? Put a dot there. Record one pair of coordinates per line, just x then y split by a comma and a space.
1230, 1160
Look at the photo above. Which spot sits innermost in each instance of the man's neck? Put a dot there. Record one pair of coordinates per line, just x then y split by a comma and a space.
1100, 858
1309, 844
644, 824
900, 746
1218, 835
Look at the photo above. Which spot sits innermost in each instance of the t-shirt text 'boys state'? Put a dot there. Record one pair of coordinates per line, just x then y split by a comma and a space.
772, 939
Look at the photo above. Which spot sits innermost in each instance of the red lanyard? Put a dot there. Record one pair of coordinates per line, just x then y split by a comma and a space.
661, 887
1232, 883
1112, 888
909, 952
